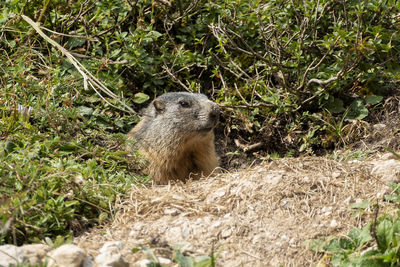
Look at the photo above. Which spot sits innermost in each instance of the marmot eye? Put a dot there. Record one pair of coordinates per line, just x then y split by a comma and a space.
184, 103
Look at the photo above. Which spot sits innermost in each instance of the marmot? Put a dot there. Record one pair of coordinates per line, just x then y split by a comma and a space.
176, 135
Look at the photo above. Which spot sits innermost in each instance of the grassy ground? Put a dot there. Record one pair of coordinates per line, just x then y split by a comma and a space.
62, 159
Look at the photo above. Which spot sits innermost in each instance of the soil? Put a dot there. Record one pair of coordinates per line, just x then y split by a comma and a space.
261, 216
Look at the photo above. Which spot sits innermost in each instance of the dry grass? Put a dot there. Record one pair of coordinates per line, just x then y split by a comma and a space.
257, 217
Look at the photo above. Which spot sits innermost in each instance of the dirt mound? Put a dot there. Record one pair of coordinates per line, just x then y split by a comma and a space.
256, 217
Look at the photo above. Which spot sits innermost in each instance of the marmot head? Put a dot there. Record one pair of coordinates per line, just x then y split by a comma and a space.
185, 112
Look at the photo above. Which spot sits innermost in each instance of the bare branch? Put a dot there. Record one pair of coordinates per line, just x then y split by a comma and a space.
323, 82
311, 67
174, 78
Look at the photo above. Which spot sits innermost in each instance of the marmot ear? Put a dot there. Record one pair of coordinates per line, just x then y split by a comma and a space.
159, 105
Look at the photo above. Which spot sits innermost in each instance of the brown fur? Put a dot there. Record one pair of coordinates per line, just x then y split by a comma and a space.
178, 140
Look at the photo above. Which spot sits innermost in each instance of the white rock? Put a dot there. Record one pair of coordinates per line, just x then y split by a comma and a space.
36, 253
110, 255
387, 170
68, 255
164, 261
10, 254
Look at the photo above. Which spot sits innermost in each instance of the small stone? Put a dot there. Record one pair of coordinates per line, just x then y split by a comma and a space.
285, 238
182, 246
379, 126
333, 223
215, 225
387, 156
87, 262
142, 263
326, 211
226, 233
172, 212
113, 246
68, 255
185, 232
164, 261
176, 197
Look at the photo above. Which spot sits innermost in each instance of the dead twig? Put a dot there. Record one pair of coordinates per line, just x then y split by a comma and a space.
248, 148
88, 78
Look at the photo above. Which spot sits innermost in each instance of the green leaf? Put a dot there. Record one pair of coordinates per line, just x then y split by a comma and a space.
10, 146
202, 261
115, 53
149, 253
339, 260
370, 261
357, 110
396, 232
182, 260
85, 111
361, 205
317, 245
103, 217
156, 34
335, 105
76, 42
373, 99
140, 98
339, 245
360, 236
384, 234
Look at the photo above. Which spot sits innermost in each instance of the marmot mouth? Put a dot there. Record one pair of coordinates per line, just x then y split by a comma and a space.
206, 130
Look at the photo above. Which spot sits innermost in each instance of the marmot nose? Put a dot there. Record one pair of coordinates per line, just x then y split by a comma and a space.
214, 114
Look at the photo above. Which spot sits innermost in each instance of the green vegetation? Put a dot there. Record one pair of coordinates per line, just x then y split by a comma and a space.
179, 257
376, 244
289, 73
